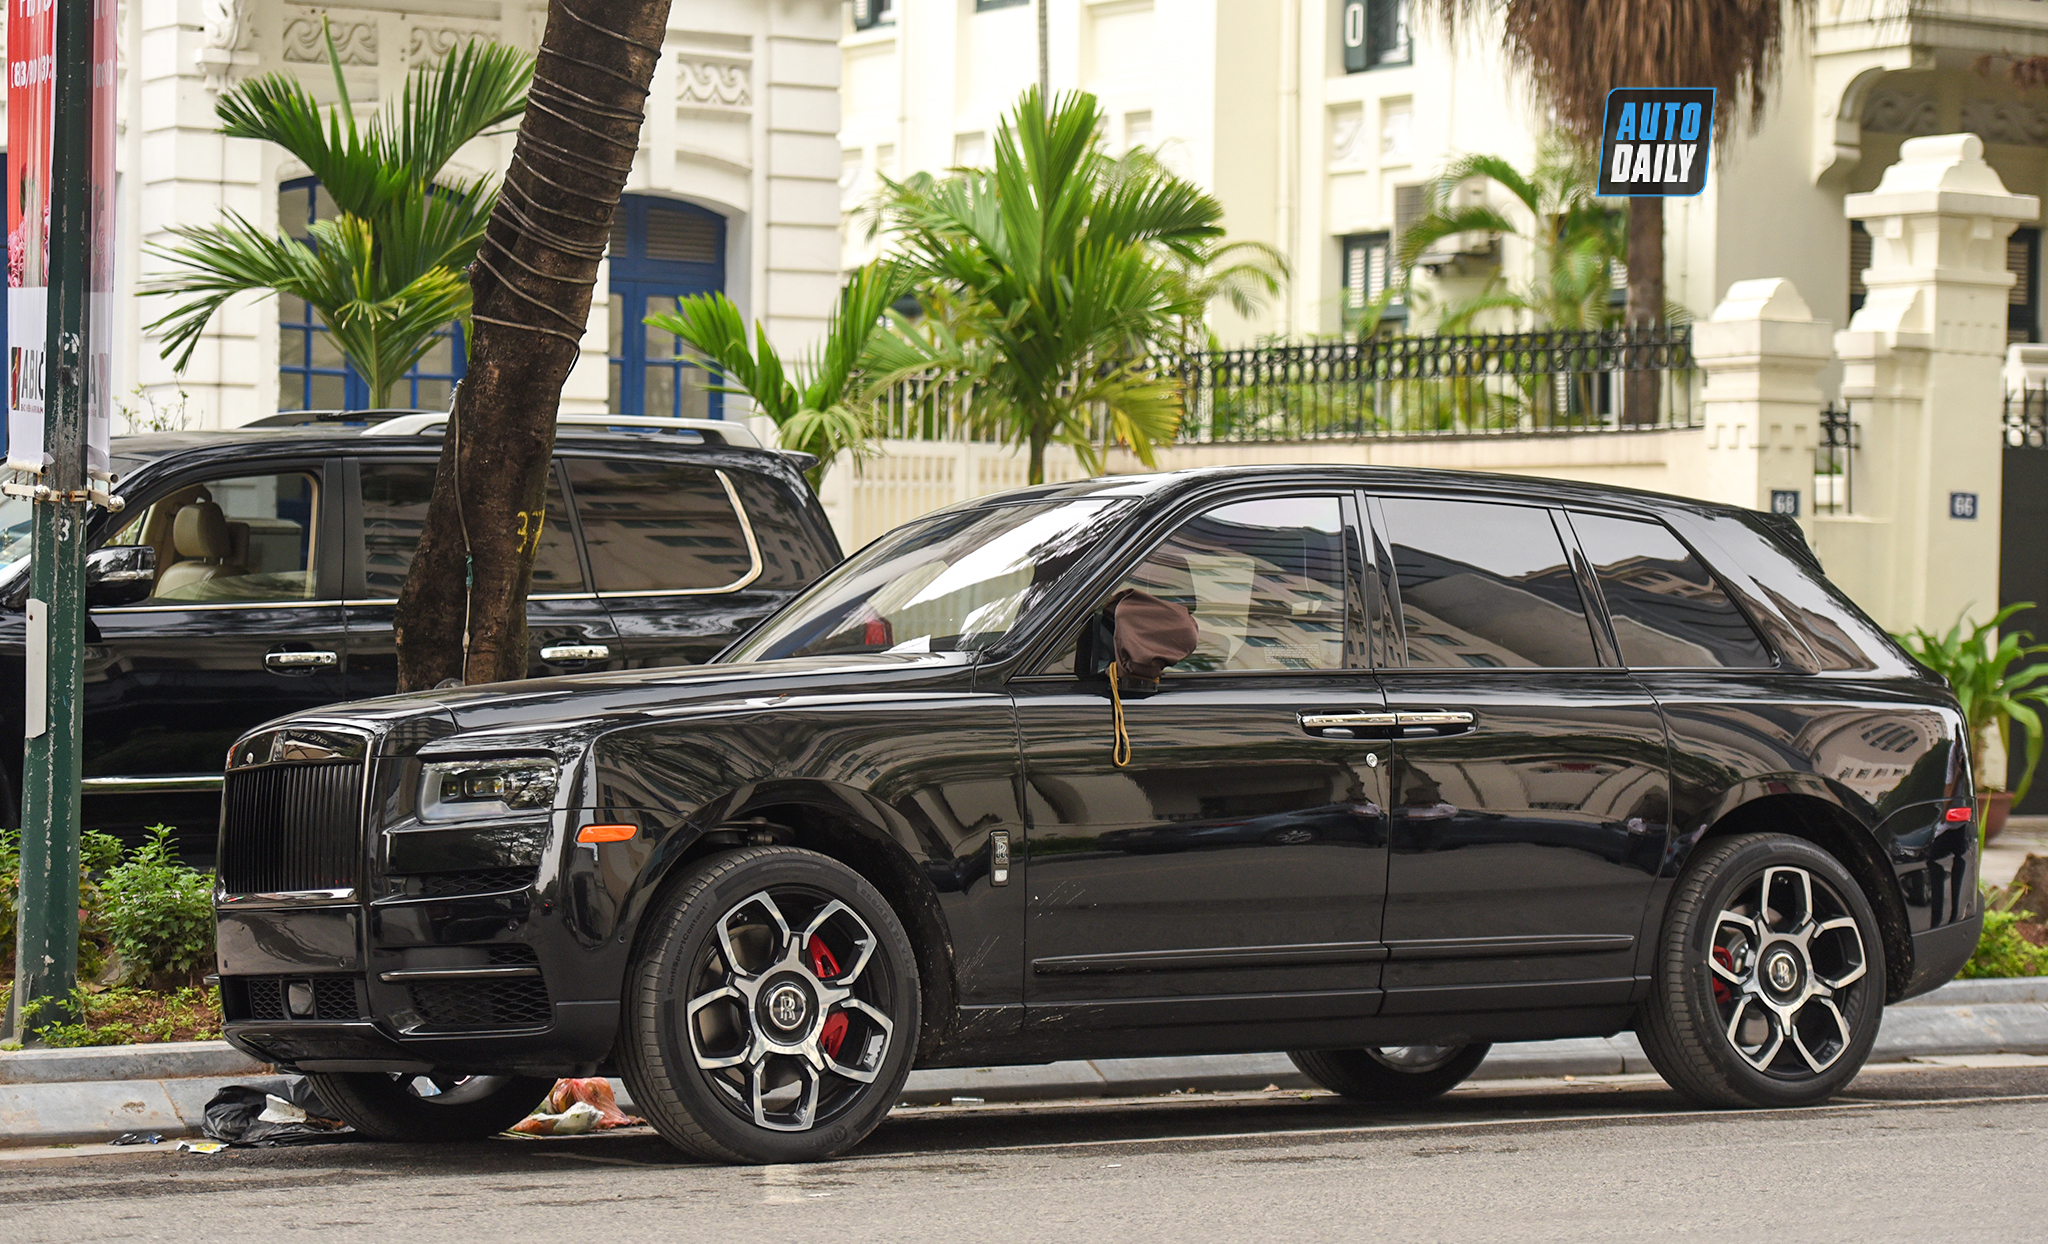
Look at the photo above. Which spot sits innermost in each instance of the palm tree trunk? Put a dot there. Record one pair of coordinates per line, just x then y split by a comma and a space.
1645, 302
532, 281
1037, 472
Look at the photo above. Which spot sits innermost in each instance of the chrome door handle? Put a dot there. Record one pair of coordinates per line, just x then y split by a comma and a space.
1337, 726
562, 654
1348, 721
1433, 721
295, 661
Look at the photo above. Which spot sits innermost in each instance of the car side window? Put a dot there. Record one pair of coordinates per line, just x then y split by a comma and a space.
394, 510
659, 527
790, 555
1485, 585
1265, 580
1668, 611
235, 540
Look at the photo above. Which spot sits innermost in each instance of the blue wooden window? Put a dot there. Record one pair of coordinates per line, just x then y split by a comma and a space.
660, 250
311, 372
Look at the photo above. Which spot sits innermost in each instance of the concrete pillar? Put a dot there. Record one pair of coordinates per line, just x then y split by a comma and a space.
1761, 351
1921, 363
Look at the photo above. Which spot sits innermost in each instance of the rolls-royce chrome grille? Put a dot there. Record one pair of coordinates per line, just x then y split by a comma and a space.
291, 816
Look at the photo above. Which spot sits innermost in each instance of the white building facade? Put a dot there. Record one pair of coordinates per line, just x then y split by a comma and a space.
733, 190
1318, 123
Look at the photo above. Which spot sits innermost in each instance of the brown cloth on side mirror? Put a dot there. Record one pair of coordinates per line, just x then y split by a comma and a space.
1151, 634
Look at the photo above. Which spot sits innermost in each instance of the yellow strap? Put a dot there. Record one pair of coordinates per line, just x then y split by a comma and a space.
1120, 749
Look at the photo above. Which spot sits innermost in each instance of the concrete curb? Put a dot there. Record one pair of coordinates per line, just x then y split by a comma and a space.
71, 1096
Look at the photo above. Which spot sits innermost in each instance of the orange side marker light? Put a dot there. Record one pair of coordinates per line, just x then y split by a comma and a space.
606, 833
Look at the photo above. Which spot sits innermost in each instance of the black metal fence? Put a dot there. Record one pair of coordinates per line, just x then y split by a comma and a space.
1834, 462
1505, 383
2026, 418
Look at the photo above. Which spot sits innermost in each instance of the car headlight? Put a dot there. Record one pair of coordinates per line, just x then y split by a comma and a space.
467, 789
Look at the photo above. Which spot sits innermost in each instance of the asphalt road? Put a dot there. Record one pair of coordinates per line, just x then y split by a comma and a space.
1907, 1154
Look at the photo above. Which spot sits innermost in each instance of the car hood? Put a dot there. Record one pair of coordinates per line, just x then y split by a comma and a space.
609, 697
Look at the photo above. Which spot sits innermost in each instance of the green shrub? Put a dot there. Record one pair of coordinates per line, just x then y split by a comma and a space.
128, 1017
158, 915
97, 853
2001, 951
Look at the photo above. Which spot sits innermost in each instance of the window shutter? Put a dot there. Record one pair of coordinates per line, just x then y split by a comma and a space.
681, 237
1351, 33
866, 13
1387, 32
1859, 259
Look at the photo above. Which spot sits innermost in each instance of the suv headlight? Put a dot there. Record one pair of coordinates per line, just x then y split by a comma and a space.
453, 790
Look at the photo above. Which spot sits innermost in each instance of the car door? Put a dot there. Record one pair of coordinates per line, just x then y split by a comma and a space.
568, 630
243, 624
675, 556
1530, 783
1234, 869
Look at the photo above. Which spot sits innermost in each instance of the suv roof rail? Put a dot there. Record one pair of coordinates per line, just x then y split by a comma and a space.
710, 431
346, 418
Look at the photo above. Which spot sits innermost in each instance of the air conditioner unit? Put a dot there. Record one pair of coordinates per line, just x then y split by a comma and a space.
1473, 244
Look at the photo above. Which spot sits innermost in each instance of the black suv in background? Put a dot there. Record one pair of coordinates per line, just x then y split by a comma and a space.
254, 572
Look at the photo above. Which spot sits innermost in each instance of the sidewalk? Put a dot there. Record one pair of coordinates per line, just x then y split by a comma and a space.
68, 1096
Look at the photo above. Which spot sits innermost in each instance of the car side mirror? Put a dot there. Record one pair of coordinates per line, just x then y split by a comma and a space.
1141, 635
121, 574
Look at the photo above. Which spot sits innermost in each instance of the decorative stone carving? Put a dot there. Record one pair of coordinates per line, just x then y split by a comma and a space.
2006, 121
1347, 134
1900, 112
354, 42
223, 40
713, 84
431, 43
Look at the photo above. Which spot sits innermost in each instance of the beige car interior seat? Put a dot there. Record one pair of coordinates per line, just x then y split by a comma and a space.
204, 544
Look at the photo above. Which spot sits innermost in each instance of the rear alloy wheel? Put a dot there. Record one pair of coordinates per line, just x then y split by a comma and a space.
1770, 983
774, 1010
433, 1108
1391, 1073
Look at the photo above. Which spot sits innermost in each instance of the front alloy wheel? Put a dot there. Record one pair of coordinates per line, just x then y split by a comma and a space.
776, 1009
1771, 978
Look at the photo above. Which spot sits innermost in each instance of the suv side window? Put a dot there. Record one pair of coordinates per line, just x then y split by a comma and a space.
1485, 585
1265, 579
660, 527
241, 539
1666, 607
394, 513
790, 556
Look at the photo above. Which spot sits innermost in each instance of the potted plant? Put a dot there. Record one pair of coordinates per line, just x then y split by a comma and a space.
1993, 695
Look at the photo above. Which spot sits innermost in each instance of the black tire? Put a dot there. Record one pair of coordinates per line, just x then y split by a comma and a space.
779, 990
1790, 1013
389, 1107
1401, 1073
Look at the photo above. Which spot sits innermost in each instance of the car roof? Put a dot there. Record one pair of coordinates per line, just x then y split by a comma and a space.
1174, 483
133, 452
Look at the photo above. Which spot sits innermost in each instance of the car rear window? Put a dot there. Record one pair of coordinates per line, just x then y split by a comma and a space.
658, 526
1668, 610
1485, 586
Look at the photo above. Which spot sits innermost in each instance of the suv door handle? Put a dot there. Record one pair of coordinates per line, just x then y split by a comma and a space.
1436, 721
300, 662
1348, 725
565, 654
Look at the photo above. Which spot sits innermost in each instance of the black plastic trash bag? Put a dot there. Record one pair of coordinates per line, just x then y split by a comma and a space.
249, 1117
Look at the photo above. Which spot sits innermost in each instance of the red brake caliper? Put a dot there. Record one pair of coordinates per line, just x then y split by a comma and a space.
1721, 956
827, 968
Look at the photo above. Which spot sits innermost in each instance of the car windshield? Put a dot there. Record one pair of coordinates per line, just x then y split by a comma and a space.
954, 583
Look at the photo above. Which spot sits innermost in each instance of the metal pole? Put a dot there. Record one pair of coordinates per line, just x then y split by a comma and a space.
46, 956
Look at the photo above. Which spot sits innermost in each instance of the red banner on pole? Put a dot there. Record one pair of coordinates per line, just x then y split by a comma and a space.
31, 92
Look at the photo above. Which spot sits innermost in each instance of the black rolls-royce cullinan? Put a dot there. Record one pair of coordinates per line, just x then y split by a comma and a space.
1377, 767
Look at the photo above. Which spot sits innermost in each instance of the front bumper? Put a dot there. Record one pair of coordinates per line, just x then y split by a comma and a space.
415, 987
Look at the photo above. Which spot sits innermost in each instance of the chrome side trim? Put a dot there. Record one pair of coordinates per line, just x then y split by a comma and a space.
152, 785
1436, 717
1322, 721
191, 606
291, 898
455, 974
